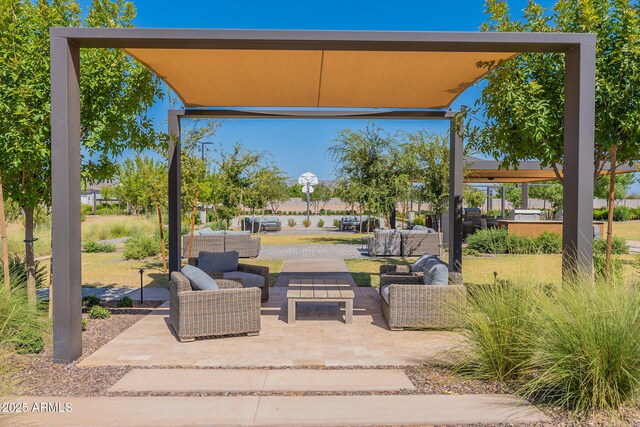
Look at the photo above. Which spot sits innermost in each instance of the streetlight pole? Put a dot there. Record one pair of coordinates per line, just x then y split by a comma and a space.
308, 199
203, 143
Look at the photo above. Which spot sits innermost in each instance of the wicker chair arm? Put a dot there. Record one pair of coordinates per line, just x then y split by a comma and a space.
401, 279
254, 269
391, 269
228, 283
221, 297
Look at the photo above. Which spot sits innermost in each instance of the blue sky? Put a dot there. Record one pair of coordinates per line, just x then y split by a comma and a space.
300, 145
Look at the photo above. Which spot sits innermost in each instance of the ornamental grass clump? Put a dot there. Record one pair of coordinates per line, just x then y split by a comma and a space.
587, 353
500, 331
140, 246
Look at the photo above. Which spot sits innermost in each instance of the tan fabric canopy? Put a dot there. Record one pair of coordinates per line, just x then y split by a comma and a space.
316, 78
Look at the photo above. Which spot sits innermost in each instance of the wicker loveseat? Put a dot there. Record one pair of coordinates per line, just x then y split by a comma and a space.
223, 241
384, 243
244, 268
408, 302
230, 310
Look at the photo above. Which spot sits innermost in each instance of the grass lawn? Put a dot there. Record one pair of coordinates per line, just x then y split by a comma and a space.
544, 268
305, 239
629, 230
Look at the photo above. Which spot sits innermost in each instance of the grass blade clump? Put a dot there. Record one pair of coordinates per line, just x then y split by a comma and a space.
500, 330
588, 352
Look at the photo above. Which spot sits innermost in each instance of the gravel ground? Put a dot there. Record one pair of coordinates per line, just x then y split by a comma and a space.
39, 376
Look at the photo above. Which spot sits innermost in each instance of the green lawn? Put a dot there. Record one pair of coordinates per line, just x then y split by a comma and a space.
629, 230
542, 268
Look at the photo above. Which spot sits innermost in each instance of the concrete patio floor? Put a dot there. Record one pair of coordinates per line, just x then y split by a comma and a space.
318, 338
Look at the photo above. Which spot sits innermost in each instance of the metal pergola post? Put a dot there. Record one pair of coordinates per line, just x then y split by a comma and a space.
456, 189
579, 50
524, 204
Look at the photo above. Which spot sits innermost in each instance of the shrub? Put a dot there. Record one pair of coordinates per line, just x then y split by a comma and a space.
549, 243
336, 223
306, 222
139, 247
618, 245
90, 301
600, 264
85, 322
320, 223
500, 330
291, 222
28, 341
97, 247
87, 209
621, 213
490, 241
588, 352
98, 312
124, 302
23, 328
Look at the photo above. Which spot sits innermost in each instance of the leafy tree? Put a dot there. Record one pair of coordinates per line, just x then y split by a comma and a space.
622, 185
115, 95
262, 191
132, 188
473, 197
370, 170
513, 195
279, 194
295, 191
321, 195
429, 157
549, 192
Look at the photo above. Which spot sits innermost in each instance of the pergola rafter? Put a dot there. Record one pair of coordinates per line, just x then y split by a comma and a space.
579, 51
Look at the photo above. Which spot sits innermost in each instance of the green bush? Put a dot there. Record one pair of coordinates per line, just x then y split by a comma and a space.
320, 223
98, 312
500, 330
139, 247
306, 222
588, 351
90, 300
600, 264
97, 247
85, 322
291, 222
23, 328
620, 213
500, 241
336, 223
618, 245
124, 302
87, 209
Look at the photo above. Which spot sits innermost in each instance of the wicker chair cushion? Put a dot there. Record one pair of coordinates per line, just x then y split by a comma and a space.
384, 293
249, 280
200, 281
218, 262
418, 266
238, 233
436, 273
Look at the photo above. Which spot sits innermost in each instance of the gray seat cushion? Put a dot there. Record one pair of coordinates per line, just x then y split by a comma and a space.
218, 262
249, 280
237, 233
436, 273
200, 281
209, 232
418, 266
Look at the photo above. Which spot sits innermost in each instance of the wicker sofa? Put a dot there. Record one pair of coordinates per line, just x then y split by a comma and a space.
385, 243
230, 310
224, 241
411, 303
420, 242
244, 268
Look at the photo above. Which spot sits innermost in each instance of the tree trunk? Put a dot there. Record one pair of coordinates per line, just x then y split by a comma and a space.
162, 245
612, 189
392, 218
193, 220
51, 284
29, 258
5, 244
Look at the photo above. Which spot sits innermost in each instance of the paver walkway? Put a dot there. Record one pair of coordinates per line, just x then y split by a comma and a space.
320, 251
278, 410
314, 269
634, 246
261, 380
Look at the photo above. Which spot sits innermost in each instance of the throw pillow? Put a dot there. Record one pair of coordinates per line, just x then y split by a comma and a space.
437, 274
418, 266
218, 262
200, 281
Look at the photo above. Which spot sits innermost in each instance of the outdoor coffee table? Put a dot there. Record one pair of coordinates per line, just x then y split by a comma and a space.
320, 290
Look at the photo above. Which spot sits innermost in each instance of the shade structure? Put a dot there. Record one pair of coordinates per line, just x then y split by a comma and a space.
489, 171
317, 78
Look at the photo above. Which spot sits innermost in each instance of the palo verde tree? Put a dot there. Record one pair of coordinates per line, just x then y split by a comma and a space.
115, 95
321, 195
522, 106
473, 197
371, 170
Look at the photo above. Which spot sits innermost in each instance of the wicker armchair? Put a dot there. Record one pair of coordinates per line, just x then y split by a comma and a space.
410, 303
418, 243
229, 310
245, 268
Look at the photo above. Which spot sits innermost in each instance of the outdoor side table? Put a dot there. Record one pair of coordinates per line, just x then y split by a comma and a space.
320, 290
